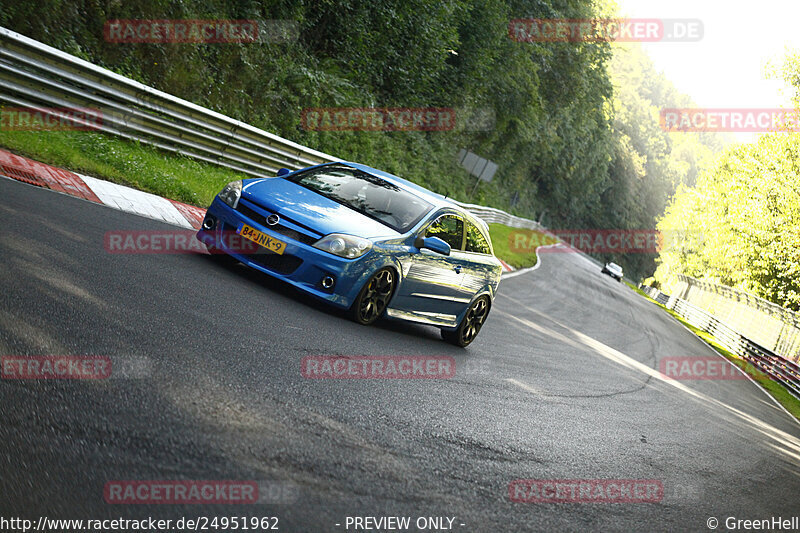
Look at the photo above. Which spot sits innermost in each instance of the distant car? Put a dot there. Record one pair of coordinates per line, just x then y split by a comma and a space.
613, 270
363, 240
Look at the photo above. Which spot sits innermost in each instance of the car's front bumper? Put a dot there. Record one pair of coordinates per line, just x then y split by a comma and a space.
300, 265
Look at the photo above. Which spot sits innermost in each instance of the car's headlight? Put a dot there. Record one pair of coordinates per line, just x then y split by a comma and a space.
231, 193
347, 246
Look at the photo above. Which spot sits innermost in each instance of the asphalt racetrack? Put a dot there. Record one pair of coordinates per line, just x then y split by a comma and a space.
561, 384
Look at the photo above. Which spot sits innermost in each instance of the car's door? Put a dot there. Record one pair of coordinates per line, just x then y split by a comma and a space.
432, 285
480, 266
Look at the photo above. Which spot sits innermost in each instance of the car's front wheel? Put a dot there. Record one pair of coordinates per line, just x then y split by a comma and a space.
371, 302
470, 325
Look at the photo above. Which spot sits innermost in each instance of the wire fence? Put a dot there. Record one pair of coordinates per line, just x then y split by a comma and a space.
766, 323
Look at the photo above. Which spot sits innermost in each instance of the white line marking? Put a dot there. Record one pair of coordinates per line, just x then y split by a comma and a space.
776, 402
523, 386
745, 374
790, 443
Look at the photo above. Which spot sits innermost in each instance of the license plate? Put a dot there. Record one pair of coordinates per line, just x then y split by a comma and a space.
262, 239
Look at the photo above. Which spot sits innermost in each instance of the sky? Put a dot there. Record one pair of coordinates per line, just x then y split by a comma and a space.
726, 68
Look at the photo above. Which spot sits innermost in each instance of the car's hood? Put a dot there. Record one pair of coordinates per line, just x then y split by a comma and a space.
311, 209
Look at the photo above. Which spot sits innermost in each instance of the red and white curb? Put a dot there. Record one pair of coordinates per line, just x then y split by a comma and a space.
107, 193
507, 275
506, 266
101, 192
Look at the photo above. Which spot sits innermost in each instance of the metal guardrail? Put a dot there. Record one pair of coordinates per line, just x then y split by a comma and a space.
491, 216
778, 368
37, 76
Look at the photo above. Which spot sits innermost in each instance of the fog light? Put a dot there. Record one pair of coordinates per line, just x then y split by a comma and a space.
327, 282
209, 222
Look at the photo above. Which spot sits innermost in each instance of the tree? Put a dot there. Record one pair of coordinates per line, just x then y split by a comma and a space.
744, 217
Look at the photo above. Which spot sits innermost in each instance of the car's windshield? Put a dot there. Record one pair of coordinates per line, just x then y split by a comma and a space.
370, 195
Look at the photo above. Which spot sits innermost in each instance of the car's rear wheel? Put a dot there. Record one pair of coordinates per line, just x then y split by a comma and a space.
371, 302
470, 325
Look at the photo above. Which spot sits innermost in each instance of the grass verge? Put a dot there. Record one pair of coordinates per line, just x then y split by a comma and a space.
777, 391
169, 175
516, 246
125, 162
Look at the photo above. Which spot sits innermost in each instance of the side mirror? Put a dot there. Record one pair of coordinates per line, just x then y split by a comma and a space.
434, 244
283, 172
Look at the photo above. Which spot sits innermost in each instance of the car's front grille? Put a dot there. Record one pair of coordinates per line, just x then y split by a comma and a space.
279, 228
282, 264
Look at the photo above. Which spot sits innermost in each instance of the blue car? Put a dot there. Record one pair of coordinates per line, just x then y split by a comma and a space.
363, 240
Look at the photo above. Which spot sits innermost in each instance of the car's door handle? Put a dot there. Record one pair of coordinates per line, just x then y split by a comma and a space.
457, 268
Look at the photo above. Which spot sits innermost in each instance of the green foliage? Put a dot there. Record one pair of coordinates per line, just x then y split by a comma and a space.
648, 164
576, 133
118, 160
551, 138
743, 222
519, 253
787, 69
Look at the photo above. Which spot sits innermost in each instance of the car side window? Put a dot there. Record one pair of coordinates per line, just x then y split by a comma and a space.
449, 228
476, 242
